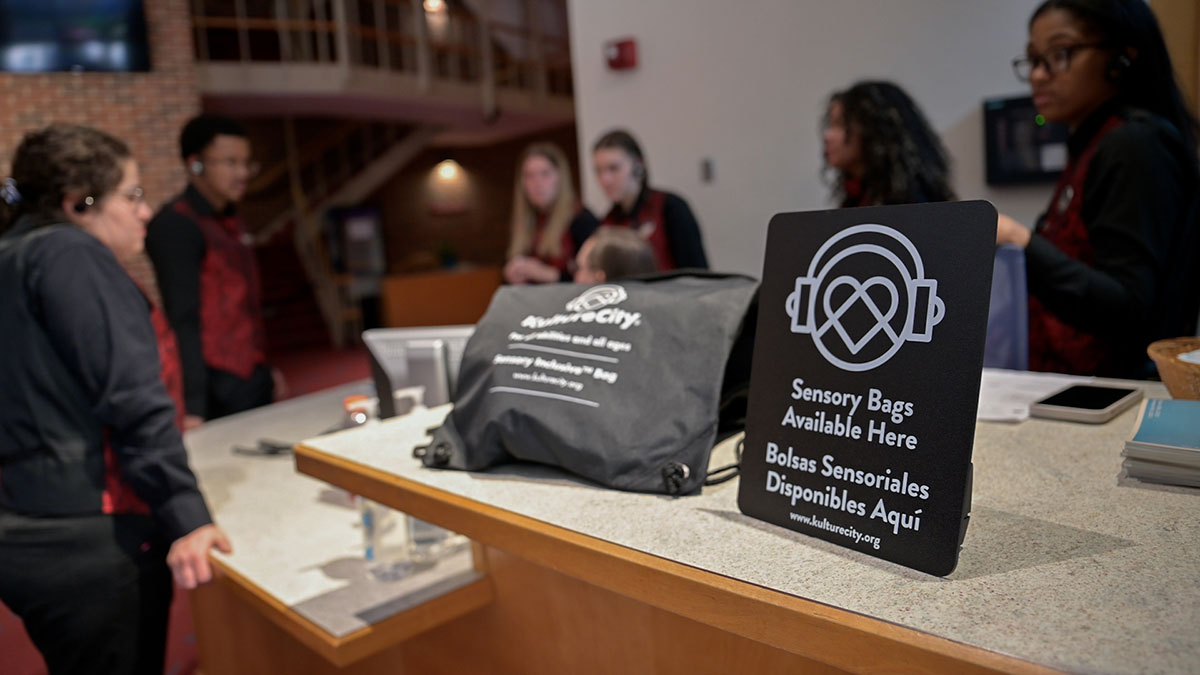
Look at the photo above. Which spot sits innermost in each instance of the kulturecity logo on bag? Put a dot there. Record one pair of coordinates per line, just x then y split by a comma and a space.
903, 304
597, 297
592, 306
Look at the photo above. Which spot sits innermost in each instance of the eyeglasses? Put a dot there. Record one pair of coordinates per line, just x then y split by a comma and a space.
229, 163
1055, 61
135, 195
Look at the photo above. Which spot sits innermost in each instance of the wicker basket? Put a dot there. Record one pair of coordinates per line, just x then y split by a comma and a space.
1182, 378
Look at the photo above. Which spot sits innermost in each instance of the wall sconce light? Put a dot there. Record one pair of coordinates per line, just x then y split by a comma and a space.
449, 188
437, 19
448, 169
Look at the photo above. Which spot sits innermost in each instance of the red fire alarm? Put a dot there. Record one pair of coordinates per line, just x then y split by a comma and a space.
621, 54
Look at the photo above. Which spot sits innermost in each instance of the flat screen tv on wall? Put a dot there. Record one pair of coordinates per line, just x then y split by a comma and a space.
1022, 147
39, 36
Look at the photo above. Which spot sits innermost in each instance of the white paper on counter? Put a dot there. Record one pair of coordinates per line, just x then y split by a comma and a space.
1005, 395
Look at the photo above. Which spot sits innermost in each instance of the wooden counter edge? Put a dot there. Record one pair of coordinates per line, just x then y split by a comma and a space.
347, 649
837, 637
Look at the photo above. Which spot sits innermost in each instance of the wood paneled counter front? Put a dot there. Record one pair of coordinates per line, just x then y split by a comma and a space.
1062, 569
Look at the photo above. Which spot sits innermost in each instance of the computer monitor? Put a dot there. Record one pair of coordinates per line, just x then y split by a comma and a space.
1021, 146
423, 360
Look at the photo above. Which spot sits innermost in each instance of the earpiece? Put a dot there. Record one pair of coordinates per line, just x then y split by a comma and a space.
82, 206
1118, 66
639, 171
196, 167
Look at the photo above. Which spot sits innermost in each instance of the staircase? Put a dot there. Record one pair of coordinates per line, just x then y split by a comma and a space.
290, 312
341, 94
338, 163
411, 61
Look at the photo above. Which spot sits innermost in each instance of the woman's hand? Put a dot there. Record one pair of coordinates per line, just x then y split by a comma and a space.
514, 271
188, 556
1009, 231
529, 270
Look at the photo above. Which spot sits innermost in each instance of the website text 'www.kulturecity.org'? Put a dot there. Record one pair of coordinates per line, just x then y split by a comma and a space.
824, 524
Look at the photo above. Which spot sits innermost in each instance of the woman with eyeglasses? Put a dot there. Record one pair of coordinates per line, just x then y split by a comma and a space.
98, 508
882, 149
1113, 263
207, 271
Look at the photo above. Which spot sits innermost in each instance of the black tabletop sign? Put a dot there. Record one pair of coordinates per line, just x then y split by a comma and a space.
865, 381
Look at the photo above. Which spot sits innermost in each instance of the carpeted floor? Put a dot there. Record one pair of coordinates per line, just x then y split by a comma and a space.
309, 370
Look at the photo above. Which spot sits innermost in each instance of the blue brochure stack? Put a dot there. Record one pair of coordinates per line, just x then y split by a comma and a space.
1165, 446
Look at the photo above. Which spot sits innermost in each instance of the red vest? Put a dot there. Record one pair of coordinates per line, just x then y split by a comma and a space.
168, 356
1055, 346
648, 221
231, 330
117, 496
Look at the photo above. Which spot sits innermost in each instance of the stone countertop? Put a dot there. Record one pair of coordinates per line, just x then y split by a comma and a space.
1063, 564
296, 538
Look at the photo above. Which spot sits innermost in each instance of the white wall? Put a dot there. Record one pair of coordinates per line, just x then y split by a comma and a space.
744, 82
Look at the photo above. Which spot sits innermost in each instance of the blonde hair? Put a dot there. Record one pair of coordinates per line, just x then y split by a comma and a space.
524, 216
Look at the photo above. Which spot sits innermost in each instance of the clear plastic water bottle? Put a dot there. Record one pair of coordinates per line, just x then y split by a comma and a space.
428, 542
424, 540
390, 554
385, 551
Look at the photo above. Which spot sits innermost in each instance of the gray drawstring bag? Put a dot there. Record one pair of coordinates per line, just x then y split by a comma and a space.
625, 384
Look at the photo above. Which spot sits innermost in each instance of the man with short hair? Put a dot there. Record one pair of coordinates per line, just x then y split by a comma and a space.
613, 253
208, 275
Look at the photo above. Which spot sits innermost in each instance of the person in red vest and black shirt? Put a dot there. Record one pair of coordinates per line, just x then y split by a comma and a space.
1114, 263
662, 218
207, 273
98, 507
548, 222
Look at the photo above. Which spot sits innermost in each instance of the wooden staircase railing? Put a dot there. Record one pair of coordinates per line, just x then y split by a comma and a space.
321, 175
398, 36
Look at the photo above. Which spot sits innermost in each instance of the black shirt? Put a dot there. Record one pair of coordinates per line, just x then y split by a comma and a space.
1139, 204
81, 372
679, 224
177, 248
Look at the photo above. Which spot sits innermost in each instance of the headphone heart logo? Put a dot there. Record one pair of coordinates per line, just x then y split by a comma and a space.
834, 295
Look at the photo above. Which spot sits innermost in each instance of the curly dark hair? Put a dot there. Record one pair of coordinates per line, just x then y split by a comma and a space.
59, 159
903, 159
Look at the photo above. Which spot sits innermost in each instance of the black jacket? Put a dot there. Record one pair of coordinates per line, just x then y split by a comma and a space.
1140, 205
81, 379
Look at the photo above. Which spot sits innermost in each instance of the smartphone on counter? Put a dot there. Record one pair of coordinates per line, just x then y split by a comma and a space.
1088, 403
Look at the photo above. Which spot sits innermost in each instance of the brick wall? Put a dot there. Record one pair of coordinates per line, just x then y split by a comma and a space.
146, 110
